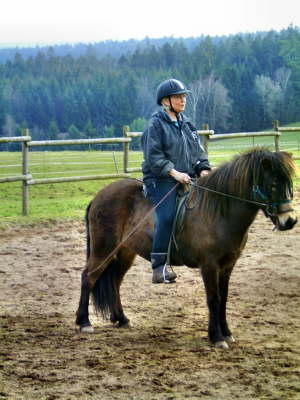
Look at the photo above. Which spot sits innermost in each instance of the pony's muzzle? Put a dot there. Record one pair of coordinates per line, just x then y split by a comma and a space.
286, 221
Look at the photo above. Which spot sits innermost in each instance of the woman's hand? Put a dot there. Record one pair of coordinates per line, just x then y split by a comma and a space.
181, 177
204, 172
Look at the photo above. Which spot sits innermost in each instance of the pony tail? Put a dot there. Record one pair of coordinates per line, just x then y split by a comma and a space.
105, 290
104, 293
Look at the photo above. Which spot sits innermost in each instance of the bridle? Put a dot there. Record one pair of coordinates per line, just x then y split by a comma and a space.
269, 208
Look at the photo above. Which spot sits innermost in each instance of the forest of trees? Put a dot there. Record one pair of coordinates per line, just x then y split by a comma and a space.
239, 83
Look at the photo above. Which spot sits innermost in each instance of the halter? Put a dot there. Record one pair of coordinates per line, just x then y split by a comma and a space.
269, 208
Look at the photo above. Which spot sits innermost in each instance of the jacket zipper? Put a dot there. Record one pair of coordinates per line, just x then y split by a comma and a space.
185, 149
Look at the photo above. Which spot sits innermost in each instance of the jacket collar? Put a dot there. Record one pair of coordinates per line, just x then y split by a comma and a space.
163, 115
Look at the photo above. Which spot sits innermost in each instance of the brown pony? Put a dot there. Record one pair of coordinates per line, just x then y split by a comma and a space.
219, 211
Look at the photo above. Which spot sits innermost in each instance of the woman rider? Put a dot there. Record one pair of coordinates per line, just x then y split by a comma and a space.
172, 153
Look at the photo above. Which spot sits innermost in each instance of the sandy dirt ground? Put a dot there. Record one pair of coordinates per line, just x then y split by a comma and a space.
165, 354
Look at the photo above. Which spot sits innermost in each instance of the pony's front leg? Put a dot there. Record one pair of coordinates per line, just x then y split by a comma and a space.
210, 276
223, 285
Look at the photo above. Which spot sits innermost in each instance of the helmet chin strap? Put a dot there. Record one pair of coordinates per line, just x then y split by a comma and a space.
170, 107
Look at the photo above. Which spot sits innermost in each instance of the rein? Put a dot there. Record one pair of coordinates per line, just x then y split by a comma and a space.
270, 208
229, 195
112, 254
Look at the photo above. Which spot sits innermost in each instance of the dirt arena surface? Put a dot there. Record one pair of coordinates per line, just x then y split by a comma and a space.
165, 354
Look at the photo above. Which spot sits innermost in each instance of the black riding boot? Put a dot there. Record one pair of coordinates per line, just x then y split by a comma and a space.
159, 267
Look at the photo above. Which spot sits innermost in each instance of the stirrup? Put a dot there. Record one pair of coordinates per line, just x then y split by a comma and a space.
162, 275
165, 272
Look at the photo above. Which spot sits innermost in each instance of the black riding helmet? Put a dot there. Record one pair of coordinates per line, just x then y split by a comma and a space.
169, 88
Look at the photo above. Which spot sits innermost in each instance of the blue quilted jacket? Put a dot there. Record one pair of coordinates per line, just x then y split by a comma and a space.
167, 144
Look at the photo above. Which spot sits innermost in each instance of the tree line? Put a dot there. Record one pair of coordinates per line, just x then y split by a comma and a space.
239, 83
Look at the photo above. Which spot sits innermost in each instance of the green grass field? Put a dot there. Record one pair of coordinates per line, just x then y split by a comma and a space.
49, 202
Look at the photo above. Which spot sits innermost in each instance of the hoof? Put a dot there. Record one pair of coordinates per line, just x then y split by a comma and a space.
221, 345
124, 326
229, 339
87, 329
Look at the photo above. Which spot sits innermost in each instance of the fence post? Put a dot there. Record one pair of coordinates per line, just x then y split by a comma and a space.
276, 126
205, 138
125, 149
25, 168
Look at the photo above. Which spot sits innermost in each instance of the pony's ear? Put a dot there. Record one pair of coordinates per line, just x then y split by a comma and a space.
291, 166
287, 154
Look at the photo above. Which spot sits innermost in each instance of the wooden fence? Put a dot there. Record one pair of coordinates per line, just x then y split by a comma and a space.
280, 129
27, 180
207, 136
26, 177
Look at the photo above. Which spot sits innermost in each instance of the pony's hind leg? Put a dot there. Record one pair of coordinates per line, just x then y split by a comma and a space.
88, 280
125, 259
82, 314
106, 292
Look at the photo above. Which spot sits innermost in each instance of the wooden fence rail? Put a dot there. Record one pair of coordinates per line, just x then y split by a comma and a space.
26, 178
15, 139
206, 133
207, 136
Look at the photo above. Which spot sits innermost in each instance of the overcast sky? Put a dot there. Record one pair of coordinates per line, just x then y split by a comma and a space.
31, 22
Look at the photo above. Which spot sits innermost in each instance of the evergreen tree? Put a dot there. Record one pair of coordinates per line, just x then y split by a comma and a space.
74, 132
52, 130
89, 130
99, 88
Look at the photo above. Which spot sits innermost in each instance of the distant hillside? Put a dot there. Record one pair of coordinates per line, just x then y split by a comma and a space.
111, 48
238, 83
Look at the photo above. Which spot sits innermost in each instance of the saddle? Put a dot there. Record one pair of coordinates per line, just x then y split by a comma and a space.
183, 197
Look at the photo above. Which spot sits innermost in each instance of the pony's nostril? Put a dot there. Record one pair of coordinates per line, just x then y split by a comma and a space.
289, 224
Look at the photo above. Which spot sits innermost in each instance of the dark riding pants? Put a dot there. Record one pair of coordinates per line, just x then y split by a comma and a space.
156, 189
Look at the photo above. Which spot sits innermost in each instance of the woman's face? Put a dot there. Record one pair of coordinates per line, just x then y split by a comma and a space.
178, 102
